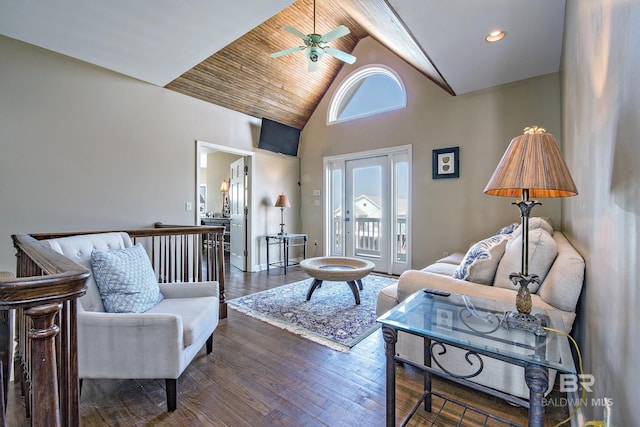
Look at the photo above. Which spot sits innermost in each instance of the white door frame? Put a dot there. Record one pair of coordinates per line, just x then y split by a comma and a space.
328, 217
250, 158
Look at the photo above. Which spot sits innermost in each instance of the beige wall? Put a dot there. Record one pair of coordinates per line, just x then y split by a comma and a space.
448, 214
601, 115
85, 148
279, 173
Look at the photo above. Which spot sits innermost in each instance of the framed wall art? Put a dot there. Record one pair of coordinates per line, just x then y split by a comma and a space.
446, 163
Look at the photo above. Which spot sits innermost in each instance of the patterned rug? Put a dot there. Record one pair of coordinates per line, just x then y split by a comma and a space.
330, 318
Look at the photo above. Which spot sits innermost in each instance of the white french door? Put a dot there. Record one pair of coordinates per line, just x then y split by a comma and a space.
367, 206
366, 228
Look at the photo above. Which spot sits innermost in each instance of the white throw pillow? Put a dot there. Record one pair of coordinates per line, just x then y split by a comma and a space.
509, 229
542, 252
563, 284
481, 260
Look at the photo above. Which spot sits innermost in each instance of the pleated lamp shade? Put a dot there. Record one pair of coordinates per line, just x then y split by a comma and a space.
533, 162
282, 201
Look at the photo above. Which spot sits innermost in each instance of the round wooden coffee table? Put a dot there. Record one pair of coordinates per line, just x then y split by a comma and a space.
337, 269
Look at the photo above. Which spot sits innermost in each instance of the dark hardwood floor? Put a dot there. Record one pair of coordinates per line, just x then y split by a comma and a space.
260, 375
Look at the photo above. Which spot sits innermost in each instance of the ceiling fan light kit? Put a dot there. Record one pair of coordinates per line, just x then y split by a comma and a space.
315, 45
314, 53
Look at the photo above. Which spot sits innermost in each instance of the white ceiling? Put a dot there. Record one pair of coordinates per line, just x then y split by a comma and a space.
452, 33
151, 40
158, 40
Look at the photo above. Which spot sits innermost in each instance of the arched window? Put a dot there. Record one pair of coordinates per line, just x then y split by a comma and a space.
370, 90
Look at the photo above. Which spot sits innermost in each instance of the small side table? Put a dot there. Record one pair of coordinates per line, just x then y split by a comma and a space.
474, 325
288, 241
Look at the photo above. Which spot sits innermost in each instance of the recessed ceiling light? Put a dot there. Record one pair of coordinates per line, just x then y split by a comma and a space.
495, 36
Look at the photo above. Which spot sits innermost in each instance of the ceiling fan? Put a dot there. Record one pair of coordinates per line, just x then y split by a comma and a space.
315, 44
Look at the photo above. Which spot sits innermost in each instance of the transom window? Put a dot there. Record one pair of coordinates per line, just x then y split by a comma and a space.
373, 89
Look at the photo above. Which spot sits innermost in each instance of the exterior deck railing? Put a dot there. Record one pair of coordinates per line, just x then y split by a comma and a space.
367, 236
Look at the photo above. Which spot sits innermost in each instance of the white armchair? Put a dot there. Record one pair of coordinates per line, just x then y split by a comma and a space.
158, 343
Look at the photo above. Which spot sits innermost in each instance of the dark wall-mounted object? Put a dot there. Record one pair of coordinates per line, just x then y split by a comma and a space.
279, 138
446, 163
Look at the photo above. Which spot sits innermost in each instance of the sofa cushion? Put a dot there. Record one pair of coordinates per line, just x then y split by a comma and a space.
454, 258
542, 252
126, 280
534, 223
197, 316
443, 268
481, 260
563, 284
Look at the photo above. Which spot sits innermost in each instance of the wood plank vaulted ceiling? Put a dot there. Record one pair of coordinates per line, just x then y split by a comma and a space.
244, 77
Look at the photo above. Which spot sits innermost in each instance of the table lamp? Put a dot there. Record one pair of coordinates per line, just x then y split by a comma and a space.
532, 167
224, 189
282, 202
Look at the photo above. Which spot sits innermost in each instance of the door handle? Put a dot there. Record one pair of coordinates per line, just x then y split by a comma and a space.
347, 219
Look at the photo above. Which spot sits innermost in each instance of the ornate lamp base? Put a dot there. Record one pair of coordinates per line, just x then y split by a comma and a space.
522, 319
523, 297
523, 300
281, 222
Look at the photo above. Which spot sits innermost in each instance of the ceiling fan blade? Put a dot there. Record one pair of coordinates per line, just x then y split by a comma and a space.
313, 66
342, 56
295, 32
335, 34
287, 51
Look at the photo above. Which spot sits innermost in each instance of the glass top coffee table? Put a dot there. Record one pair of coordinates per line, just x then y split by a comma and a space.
476, 325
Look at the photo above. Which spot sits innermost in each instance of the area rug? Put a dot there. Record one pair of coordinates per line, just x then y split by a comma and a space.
330, 318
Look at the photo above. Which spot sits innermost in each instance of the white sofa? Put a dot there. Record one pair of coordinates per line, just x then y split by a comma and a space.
561, 285
155, 344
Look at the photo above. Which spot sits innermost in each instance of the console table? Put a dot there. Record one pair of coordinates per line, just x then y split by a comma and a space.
220, 222
475, 325
286, 241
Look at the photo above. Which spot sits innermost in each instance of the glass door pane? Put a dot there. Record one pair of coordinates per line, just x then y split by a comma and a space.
367, 210
336, 240
400, 214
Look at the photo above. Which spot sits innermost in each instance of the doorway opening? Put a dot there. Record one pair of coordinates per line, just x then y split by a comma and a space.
223, 192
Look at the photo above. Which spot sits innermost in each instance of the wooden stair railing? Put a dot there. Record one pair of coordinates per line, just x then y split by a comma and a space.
3, 411
44, 297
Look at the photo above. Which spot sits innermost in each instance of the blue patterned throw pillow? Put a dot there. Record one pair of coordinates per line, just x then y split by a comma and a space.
480, 263
126, 281
508, 229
